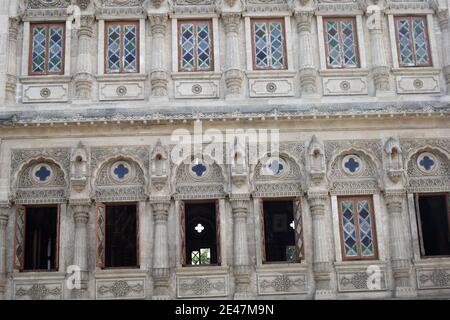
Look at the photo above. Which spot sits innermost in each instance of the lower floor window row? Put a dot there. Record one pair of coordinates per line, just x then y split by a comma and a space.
37, 232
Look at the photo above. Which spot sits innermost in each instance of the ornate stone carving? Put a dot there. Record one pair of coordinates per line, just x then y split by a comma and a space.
266, 5
281, 284
159, 166
433, 278
120, 289
393, 159
38, 291
79, 168
158, 76
206, 286
358, 281
83, 4
316, 157
40, 4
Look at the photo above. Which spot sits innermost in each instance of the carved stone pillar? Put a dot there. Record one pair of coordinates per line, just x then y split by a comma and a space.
4, 217
11, 77
400, 259
233, 74
443, 17
380, 67
80, 255
83, 77
321, 260
158, 73
308, 70
160, 251
240, 248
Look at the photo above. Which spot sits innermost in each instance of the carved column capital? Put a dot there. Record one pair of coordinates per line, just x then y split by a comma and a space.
158, 23
239, 207
317, 202
86, 26
81, 213
394, 202
4, 216
304, 18
231, 21
160, 211
443, 17
14, 23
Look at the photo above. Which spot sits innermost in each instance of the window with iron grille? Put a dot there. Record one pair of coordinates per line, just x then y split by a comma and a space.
47, 49
357, 226
269, 44
195, 45
122, 47
341, 43
412, 42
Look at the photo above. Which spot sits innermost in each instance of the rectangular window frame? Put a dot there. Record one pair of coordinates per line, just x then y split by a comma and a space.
31, 41
356, 42
285, 54
122, 23
295, 201
211, 49
101, 260
21, 264
419, 221
182, 230
359, 257
409, 17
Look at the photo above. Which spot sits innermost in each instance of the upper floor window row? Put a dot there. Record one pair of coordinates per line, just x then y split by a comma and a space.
196, 47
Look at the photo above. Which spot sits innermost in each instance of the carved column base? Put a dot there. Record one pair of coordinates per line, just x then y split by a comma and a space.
80, 294
158, 81
233, 81
308, 78
322, 277
401, 272
324, 295
83, 86
405, 292
242, 283
161, 284
381, 78
2, 289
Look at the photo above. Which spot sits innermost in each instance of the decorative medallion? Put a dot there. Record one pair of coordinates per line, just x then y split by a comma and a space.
42, 173
274, 166
197, 89
418, 84
426, 162
120, 171
271, 87
121, 91
345, 85
352, 164
45, 92
199, 170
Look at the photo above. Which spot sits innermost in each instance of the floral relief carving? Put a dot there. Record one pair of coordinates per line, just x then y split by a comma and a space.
435, 278
40, 4
120, 289
358, 281
38, 291
282, 284
202, 286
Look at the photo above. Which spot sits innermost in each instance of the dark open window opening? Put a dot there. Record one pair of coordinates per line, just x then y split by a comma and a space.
433, 218
121, 236
201, 234
41, 234
279, 232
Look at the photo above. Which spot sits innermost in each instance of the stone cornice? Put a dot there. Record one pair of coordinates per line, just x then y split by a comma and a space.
94, 116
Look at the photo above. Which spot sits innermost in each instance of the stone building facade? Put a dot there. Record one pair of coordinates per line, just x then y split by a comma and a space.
92, 91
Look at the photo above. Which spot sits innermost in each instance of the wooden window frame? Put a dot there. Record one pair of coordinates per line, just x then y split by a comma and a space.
419, 220
211, 49
369, 198
262, 228
21, 268
122, 23
47, 42
356, 42
413, 41
267, 21
183, 233
101, 264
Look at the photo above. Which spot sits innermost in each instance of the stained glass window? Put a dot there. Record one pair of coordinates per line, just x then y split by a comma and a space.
357, 228
412, 38
268, 44
47, 49
341, 43
122, 47
196, 49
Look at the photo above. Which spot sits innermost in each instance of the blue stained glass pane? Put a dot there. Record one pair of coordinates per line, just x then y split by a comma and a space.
427, 163
276, 48
38, 50
352, 165
43, 174
187, 45
130, 48
261, 49
113, 49
365, 228
121, 171
203, 46
199, 169
420, 41
349, 229
405, 42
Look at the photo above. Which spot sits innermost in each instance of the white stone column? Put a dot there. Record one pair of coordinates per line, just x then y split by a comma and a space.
158, 73
308, 70
4, 48
83, 78
443, 17
160, 251
4, 217
380, 68
80, 256
400, 256
240, 248
233, 74
11, 77
321, 252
